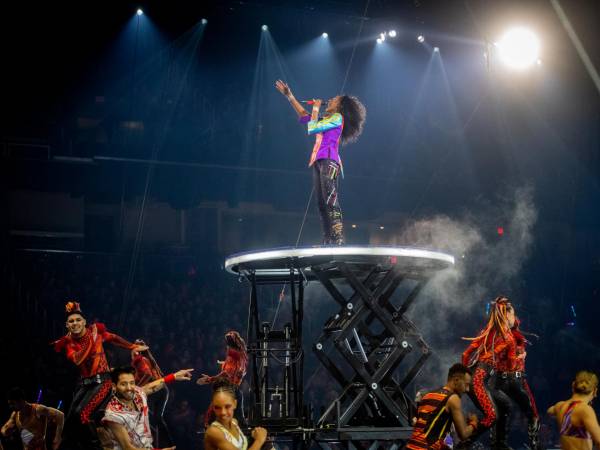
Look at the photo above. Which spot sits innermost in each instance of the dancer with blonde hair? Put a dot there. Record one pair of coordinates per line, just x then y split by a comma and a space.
576, 419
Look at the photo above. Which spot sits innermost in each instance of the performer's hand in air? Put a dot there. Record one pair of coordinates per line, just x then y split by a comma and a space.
204, 379
283, 88
140, 348
183, 375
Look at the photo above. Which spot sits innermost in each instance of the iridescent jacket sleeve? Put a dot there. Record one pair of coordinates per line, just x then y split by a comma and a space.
327, 123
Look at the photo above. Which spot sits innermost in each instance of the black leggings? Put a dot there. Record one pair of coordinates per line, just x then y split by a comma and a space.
325, 178
517, 389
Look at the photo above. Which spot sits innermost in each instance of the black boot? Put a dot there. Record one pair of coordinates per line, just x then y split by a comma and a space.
533, 434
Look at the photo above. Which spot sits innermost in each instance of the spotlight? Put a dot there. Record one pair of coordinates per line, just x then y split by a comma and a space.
392, 33
381, 227
265, 28
519, 48
139, 12
324, 35
436, 49
379, 40
382, 37
204, 21
353, 225
421, 38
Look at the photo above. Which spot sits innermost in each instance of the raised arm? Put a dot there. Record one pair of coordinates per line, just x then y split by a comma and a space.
117, 340
155, 386
463, 429
285, 90
56, 416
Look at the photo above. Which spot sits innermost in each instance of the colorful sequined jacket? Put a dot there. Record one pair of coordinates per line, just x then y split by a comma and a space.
328, 133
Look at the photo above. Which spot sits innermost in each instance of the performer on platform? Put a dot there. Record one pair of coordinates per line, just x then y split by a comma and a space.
342, 124
577, 420
513, 383
224, 433
30, 420
84, 346
495, 346
438, 410
126, 414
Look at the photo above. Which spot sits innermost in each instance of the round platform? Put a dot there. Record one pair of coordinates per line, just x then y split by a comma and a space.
277, 263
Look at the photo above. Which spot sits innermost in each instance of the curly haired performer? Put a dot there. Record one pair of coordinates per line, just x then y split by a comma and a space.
84, 346
343, 123
494, 347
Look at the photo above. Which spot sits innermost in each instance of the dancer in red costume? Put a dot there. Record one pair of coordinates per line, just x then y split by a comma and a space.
233, 368
84, 346
513, 383
147, 371
494, 347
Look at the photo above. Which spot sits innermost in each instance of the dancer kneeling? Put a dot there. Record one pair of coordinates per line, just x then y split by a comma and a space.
126, 414
224, 433
439, 409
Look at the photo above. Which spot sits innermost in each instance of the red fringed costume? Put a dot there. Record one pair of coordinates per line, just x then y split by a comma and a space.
233, 368
94, 387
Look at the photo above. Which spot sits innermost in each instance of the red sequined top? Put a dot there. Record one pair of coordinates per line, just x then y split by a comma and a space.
145, 371
87, 351
500, 352
520, 343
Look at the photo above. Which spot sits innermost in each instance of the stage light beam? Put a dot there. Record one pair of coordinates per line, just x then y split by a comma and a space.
519, 48
139, 12
379, 40
204, 21
325, 35
392, 33
421, 38
436, 49
265, 28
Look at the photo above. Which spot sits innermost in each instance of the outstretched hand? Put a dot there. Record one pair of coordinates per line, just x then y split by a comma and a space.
282, 87
184, 375
204, 379
140, 348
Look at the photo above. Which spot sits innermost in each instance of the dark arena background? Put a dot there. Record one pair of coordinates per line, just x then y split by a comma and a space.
144, 144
